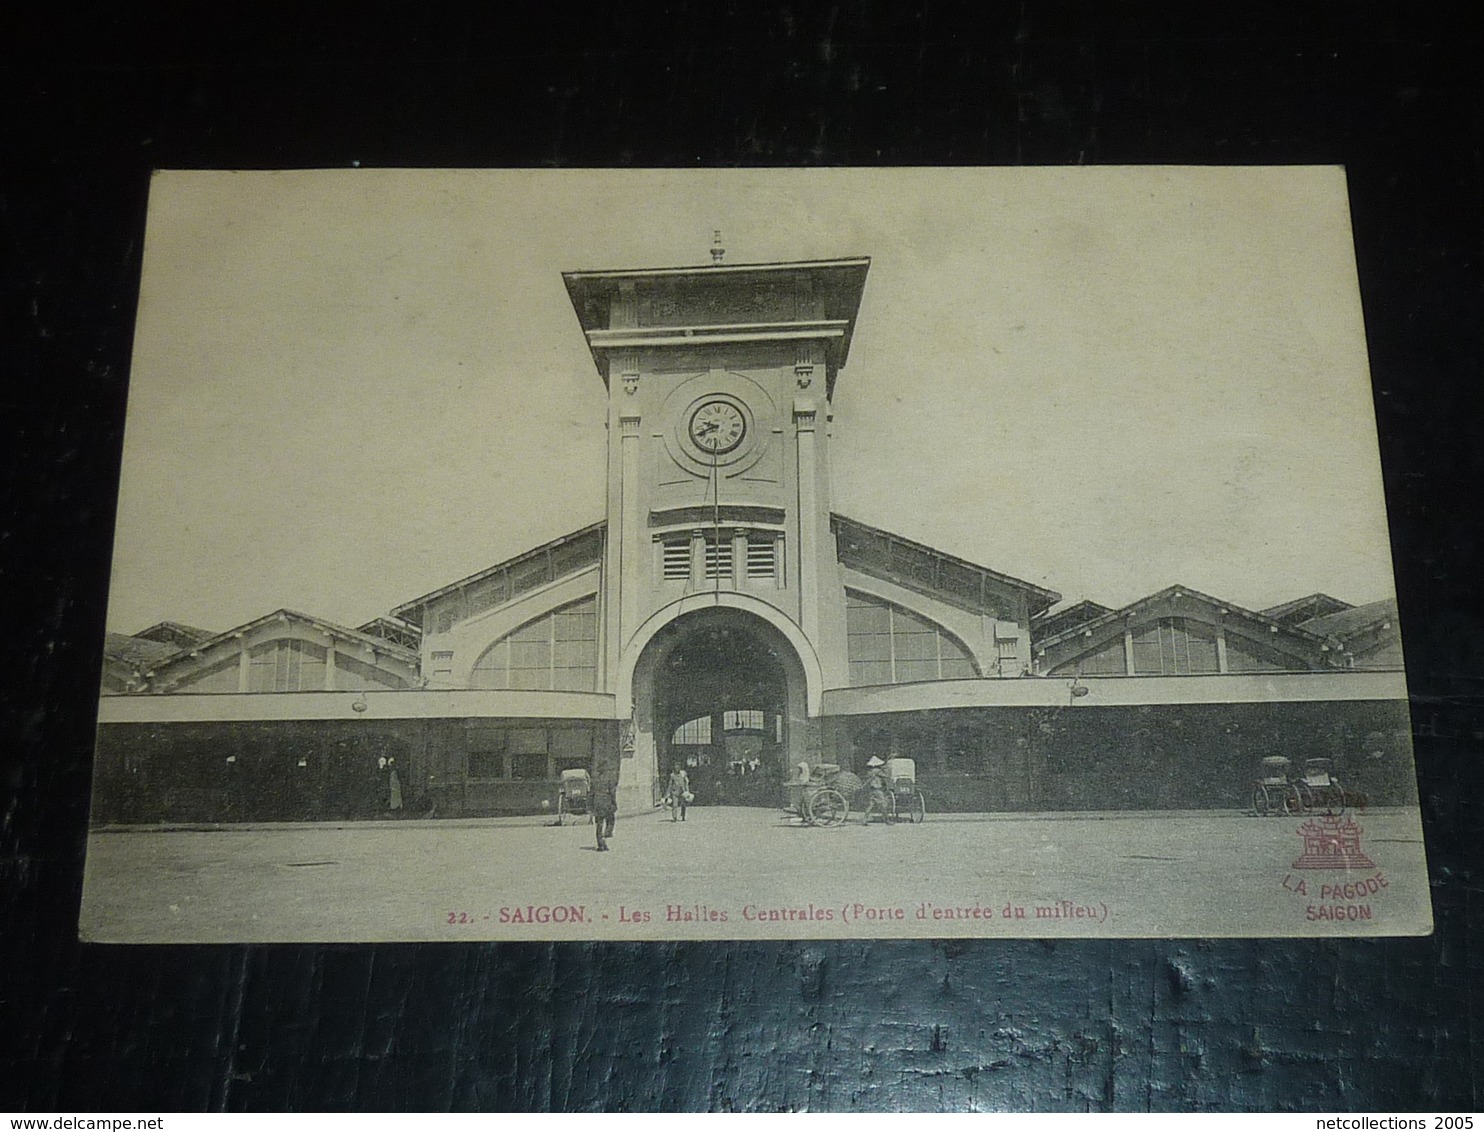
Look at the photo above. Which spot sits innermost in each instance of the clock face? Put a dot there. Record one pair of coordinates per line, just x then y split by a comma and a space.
717, 427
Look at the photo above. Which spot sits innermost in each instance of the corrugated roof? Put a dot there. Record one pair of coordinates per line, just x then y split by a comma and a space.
137, 652
419, 602
1310, 606
175, 633
1039, 595
1184, 591
1073, 616
1357, 619
401, 652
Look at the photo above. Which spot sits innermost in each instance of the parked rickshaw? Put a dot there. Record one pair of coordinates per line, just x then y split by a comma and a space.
1318, 787
576, 796
1273, 792
815, 797
906, 800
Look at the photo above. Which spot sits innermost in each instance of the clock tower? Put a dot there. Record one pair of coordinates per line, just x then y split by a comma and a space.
721, 608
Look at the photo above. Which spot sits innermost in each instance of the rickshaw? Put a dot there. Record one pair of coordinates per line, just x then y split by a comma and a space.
1272, 791
575, 796
815, 797
1318, 787
906, 800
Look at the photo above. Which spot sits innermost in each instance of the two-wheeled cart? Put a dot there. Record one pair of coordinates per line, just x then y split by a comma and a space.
1273, 791
1318, 787
907, 801
815, 796
575, 798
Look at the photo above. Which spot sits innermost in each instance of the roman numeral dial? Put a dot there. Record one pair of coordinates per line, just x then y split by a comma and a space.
717, 427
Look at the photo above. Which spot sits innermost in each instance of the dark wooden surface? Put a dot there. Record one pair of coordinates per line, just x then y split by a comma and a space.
95, 96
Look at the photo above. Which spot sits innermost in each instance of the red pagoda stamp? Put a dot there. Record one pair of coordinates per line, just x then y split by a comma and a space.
1332, 842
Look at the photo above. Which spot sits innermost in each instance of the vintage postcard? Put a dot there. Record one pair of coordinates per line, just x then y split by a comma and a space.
751, 554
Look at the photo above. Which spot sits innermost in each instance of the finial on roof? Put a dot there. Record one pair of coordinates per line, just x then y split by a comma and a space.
717, 251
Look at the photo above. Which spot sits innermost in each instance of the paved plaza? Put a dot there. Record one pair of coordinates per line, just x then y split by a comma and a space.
749, 873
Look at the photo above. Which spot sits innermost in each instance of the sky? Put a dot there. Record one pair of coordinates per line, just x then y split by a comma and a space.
352, 387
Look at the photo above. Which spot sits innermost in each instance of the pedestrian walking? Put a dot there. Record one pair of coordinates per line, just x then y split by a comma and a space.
678, 793
605, 810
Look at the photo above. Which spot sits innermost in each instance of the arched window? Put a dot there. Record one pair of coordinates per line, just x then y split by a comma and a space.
885, 644
556, 652
693, 733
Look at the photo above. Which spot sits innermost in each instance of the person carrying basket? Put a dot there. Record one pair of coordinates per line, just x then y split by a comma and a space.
677, 793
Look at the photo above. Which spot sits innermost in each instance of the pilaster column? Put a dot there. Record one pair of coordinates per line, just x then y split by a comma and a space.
806, 415
244, 666
330, 666
1221, 649
631, 558
1128, 651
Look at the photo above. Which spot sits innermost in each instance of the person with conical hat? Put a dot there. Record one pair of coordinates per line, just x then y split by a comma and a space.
875, 784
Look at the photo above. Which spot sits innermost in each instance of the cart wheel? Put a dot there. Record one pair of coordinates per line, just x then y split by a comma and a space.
1305, 795
890, 816
830, 807
1260, 801
1336, 797
918, 813
1293, 802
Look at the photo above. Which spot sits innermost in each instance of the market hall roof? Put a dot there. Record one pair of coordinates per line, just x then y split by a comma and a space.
136, 651
329, 628
1049, 624
1225, 608
928, 570
1304, 609
1354, 619
865, 548
393, 629
175, 633
524, 572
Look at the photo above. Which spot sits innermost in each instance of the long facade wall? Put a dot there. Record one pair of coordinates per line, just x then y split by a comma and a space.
1149, 757
332, 770
978, 759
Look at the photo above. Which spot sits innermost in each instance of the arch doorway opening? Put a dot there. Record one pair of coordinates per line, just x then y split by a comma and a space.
723, 694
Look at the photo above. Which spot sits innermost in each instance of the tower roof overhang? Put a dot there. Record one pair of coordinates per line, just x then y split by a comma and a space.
806, 300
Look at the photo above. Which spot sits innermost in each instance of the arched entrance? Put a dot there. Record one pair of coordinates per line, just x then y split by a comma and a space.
721, 693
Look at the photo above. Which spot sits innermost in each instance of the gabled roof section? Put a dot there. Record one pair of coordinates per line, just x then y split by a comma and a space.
917, 566
1303, 609
393, 629
1354, 620
330, 628
1226, 608
136, 651
562, 556
175, 633
1049, 624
